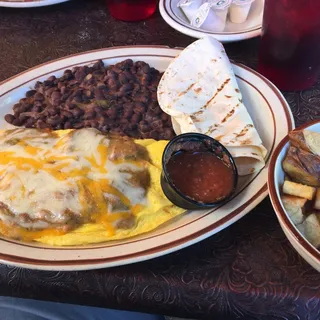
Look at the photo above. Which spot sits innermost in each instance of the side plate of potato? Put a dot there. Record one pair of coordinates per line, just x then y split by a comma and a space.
294, 188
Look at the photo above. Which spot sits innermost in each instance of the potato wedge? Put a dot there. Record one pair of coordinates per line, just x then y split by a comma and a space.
295, 207
300, 228
306, 140
287, 178
317, 200
298, 190
311, 229
302, 167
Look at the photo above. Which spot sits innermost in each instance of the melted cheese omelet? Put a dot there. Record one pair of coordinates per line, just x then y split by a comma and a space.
76, 187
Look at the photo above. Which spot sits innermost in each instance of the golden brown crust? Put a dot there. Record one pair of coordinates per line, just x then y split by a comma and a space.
297, 140
302, 166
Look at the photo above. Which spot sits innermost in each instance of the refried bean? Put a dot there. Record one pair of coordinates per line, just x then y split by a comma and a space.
201, 176
120, 98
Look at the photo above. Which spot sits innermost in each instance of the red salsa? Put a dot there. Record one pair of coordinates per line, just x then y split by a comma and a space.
201, 176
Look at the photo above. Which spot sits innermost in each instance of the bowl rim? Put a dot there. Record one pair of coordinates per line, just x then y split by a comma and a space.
280, 212
200, 204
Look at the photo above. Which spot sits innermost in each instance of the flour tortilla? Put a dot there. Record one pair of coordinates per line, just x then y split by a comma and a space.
200, 93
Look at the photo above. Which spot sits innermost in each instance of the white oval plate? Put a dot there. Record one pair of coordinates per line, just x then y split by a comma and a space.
275, 180
233, 31
272, 118
29, 3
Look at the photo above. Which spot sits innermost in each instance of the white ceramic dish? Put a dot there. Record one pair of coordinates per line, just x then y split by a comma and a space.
29, 3
233, 31
275, 181
273, 120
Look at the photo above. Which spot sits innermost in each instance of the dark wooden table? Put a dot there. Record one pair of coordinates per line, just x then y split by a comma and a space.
248, 271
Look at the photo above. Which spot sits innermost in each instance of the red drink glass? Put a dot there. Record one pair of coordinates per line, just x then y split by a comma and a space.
290, 45
132, 10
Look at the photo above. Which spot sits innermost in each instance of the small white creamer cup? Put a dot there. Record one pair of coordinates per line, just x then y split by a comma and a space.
239, 10
208, 19
221, 8
189, 7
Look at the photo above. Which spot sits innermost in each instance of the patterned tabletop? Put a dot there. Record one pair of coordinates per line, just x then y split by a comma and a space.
248, 271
